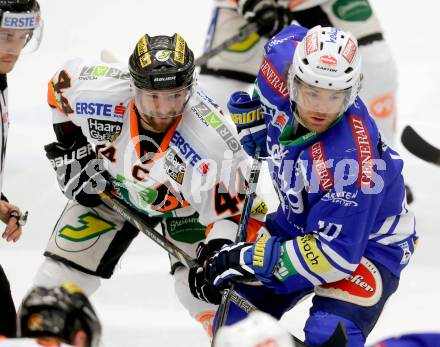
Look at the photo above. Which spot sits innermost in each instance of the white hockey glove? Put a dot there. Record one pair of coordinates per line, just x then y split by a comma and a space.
269, 16
80, 175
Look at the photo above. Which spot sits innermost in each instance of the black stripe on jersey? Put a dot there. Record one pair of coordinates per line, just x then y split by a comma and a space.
3, 87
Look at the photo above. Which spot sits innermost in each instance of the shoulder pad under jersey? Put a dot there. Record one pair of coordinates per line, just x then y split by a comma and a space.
208, 130
93, 95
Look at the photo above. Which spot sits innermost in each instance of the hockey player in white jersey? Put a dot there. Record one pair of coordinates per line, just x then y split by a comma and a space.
164, 148
59, 317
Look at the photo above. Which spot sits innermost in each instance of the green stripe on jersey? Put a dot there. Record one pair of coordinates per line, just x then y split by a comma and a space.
284, 268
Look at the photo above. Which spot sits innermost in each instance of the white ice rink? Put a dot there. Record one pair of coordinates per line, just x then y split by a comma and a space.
138, 306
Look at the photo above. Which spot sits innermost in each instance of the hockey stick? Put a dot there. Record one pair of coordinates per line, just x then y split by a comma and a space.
244, 32
414, 143
223, 309
133, 218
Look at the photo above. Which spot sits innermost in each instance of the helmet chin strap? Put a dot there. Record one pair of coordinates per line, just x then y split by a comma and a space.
297, 121
296, 117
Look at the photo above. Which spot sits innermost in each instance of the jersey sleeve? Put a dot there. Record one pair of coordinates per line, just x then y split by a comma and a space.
58, 92
336, 234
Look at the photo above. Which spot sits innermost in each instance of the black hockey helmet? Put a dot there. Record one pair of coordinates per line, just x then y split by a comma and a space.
20, 15
58, 312
161, 62
19, 6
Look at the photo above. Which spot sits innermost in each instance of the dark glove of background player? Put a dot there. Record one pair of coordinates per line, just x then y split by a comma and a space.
200, 288
269, 17
247, 115
80, 175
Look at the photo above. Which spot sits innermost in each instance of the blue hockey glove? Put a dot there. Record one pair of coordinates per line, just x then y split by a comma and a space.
248, 117
80, 176
244, 261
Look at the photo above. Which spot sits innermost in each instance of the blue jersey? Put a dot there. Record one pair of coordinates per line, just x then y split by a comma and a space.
341, 192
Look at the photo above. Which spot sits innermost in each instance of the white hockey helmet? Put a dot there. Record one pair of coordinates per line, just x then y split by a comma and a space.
257, 330
327, 58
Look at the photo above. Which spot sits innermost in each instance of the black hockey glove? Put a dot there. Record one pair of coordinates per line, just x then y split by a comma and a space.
200, 288
269, 16
80, 175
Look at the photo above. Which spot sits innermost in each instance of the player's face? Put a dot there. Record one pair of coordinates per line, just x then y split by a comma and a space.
12, 42
318, 108
159, 109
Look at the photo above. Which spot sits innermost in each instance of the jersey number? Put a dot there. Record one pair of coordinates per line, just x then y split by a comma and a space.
223, 201
64, 82
108, 152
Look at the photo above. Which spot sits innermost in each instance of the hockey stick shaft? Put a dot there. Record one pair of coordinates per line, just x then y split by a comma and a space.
244, 32
126, 212
414, 143
248, 201
241, 233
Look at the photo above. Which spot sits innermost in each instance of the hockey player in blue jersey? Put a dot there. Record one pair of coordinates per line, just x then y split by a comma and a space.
342, 228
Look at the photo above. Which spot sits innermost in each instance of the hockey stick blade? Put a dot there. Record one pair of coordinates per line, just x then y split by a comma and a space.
244, 32
338, 339
414, 143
